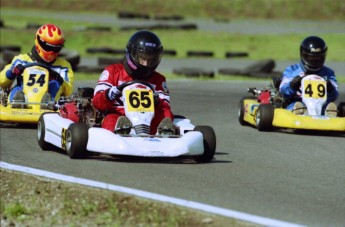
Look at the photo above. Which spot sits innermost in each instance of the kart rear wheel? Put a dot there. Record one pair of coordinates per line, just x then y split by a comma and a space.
241, 110
264, 117
41, 131
341, 109
209, 139
76, 139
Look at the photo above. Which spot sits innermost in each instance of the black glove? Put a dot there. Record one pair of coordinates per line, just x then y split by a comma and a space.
330, 86
296, 83
18, 70
53, 75
156, 98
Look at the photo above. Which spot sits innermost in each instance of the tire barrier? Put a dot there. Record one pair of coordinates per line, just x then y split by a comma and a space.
260, 69
93, 28
10, 47
107, 50
71, 56
33, 26
130, 15
161, 27
173, 17
169, 52
103, 61
236, 54
194, 72
192, 53
90, 69
8, 55
264, 66
2, 25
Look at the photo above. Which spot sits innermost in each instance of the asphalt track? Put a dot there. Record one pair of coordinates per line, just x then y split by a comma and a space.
293, 177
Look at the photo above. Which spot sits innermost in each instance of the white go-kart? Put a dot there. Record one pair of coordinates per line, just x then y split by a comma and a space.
76, 129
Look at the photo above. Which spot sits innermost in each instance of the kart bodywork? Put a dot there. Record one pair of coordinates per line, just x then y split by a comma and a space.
35, 86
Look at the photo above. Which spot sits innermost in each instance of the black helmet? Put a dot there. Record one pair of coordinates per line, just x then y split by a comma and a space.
143, 54
313, 52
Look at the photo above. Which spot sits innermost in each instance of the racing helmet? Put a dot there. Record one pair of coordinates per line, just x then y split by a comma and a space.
49, 41
313, 52
143, 54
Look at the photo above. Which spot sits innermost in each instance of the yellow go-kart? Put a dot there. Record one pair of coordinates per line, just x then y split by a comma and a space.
265, 109
35, 87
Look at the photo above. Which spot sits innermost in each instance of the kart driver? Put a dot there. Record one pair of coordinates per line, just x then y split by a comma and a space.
143, 55
313, 52
49, 40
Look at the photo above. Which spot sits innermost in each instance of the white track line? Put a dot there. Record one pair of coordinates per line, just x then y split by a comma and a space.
153, 196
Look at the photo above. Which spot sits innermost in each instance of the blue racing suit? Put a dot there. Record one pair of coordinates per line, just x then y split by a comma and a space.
291, 96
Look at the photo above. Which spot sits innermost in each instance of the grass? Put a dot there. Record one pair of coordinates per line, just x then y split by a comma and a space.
33, 201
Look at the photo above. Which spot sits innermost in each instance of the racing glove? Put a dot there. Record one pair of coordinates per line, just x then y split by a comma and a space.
113, 93
18, 70
296, 83
53, 75
330, 86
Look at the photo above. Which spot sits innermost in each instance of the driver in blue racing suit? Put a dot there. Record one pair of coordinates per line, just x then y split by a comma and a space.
313, 52
49, 40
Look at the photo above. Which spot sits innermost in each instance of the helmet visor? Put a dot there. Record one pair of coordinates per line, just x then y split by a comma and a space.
313, 60
49, 47
148, 59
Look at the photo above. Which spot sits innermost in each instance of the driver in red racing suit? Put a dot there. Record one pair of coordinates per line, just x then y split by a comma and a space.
143, 55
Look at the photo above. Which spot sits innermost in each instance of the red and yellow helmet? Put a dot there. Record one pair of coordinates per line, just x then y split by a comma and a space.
49, 41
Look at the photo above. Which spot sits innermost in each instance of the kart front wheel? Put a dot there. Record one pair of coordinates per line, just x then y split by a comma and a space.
241, 110
209, 140
264, 117
41, 132
76, 139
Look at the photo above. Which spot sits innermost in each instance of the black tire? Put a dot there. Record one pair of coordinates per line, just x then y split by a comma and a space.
192, 53
71, 56
194, 72
209, 143
242, 110
41, 134
76, 139
264, 117
341, 109
230, 71
236, 54
264, 66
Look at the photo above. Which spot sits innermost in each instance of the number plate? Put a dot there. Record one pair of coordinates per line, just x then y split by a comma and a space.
139, 100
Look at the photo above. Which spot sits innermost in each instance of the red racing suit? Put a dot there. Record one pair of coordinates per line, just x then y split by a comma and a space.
115, 75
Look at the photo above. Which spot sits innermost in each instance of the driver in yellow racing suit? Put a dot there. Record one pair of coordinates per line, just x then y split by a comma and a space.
49, 40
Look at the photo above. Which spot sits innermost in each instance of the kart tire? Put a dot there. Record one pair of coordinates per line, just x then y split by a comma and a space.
264, 117
77, 136
209, 140
41, 134
341, 109
241, 110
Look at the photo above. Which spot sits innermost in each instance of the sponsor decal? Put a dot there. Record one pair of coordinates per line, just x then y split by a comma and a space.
63, 138
35, 90
104, 75
150, 44
130, 63
152, 139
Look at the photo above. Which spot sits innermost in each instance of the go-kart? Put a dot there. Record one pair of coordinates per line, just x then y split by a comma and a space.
76, 129
265, 108
35, 86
